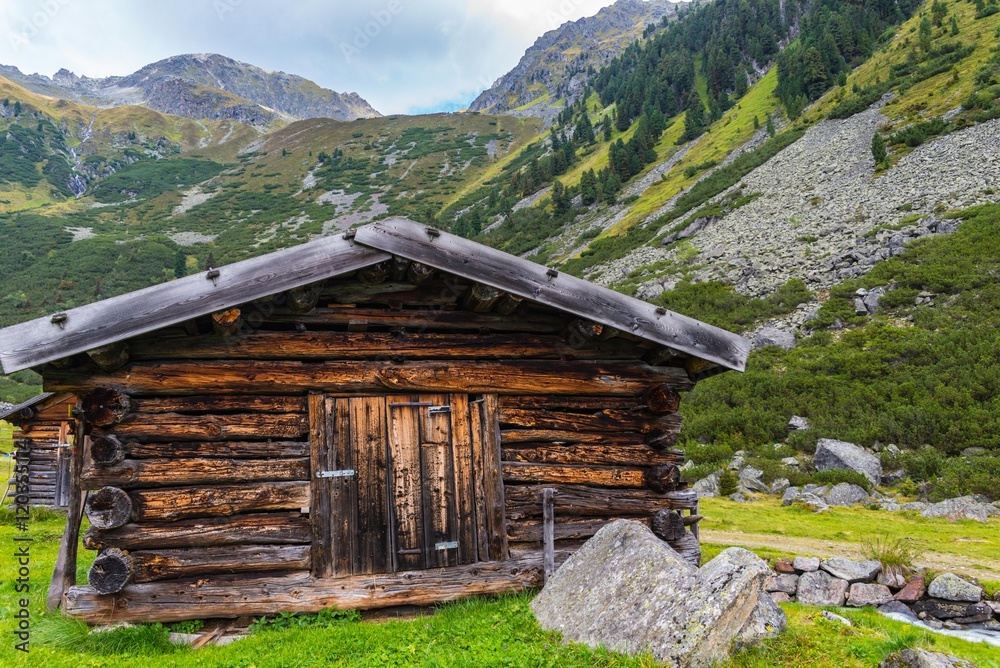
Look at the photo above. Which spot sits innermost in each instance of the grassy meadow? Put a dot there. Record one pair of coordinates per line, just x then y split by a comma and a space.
502, 631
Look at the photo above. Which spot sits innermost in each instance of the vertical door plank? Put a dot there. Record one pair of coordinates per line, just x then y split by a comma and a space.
479, 481
406, 520
461, 440
496, 530
343, 491
368, 436
438, 482
320, 514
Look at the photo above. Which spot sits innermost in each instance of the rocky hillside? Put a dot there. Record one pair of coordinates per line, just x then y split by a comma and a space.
204, 86
559, 64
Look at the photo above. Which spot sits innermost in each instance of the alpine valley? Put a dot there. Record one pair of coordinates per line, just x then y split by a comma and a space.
822, 176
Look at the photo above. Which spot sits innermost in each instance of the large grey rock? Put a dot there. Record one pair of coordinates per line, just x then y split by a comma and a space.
791, 462
806, 564
954, 610
831, 454
752, 480
798, 423
897, 608
628, 591
772, 336
852, 571
780, 485
785, 583
861, 594
708, 486
789, 496
812, 502
845, 494
916, 506
962, 508
922, 658
766, 621
950, 587
821, 588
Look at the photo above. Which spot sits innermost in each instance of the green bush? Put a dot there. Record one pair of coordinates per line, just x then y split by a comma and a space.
728, 483
837, 476
961, 476
708, 453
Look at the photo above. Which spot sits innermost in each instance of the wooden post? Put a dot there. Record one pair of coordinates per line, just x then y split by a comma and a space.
64, 574
548, 531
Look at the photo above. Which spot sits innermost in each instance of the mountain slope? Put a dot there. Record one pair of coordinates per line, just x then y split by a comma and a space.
557, 65
204, 86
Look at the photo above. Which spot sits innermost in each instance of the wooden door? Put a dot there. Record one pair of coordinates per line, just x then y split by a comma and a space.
405, 483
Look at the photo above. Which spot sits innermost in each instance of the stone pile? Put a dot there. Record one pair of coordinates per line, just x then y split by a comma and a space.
947, 602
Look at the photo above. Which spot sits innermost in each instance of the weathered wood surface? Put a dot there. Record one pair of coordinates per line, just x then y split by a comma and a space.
663, 477
368, 442
119, 318
668, 525
150, 566
564, 528
174, 473
105, 407
259, 529
109, 508
64, 574
368, 345
576, 404
107, 451
610, 453
597, 476
427, 319
606, 420
569, 294
218, 450
110, 357
485, 432
548, 532
663, 400
242, 595
221, 403
502, 377
184, 502
227, 322
174, 426
111, 571
524, 501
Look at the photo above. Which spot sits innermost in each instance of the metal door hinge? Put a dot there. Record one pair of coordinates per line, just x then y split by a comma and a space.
344, 473
453, 545
439, 409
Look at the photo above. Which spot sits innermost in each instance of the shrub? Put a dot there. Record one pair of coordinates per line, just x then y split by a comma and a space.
925, 464
728, 483
961, 476
708, 453
837, 476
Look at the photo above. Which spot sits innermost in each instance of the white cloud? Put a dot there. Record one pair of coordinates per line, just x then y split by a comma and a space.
400, 55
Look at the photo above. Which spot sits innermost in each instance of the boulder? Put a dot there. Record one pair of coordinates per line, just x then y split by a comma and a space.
798, 423
806, 564
784, 583
739, 497
922, 658
818, 490
784, 567
916, 506
897, 608
962, 508
831, 454
626, 590
709, 486
861, 594
780, 597
772, 336
821, 588
791, 462
852, 571
941, 609
789, 496
780, 485
845, 494
913, 591
812, 502
891, 579
766, 621
950, 587
752, 480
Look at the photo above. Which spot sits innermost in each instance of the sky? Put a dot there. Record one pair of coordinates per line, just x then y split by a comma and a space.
403, 56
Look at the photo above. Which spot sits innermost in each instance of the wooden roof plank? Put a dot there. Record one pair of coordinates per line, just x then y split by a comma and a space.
567, 293
118, 318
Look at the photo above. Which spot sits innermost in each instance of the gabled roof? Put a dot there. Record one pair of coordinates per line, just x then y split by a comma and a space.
34, 401
87, 327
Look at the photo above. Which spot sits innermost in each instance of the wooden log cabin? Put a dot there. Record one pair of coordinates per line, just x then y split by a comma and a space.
382, 418
45, 427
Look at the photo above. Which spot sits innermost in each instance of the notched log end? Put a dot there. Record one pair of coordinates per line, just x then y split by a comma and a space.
111, 571
104, 407
109, 508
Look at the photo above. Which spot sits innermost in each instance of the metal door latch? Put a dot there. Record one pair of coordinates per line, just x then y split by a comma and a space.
344, 473
453, 545
439, 409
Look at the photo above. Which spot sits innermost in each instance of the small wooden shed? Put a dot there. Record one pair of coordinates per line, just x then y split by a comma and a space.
44, 428
382, 418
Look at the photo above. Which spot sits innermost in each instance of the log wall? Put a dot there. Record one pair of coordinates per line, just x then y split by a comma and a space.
47, 434
199, 463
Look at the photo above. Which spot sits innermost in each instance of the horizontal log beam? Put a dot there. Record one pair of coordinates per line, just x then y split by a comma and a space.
598, 476
150, 566
611, 454
606, 438
419, 319
603, 420
591, 404
182, 502
564, 529
261, 529
241, 595
173, 426
173, 473
524, 501
218, 450
501, 376
222, 403
370, 345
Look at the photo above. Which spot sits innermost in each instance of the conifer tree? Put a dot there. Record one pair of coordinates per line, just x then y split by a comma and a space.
925, 35
878, 150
